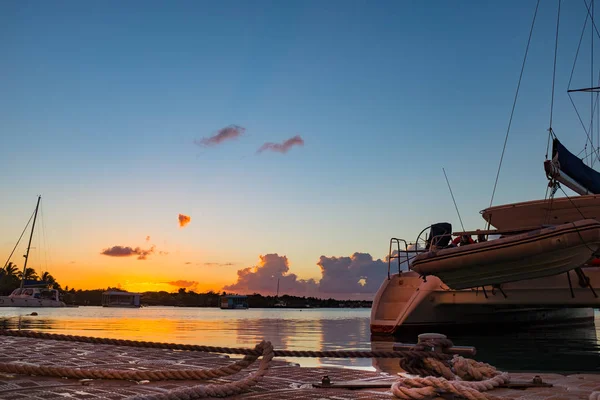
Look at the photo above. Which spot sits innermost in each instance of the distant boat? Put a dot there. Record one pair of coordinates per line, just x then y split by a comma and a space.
32, 293
115, 298
234, 302
279, 303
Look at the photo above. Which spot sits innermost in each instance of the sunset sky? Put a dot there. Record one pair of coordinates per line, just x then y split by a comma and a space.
297, 136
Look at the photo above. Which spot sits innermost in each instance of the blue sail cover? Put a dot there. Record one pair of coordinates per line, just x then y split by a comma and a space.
575, 168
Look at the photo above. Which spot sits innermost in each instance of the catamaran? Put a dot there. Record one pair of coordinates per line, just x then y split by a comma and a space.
538, 266
32, 293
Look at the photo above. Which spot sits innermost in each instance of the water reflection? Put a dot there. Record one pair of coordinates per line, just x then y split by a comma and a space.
576, 349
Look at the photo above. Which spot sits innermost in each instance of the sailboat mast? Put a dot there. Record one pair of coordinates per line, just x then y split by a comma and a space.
30, 237
277, 288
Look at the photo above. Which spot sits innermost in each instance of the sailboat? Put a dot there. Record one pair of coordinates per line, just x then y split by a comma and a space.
536, 267
32, 294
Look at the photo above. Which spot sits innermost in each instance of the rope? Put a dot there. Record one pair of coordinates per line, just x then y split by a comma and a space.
443, 373
459, 376
409, 354
224, 390
155, 375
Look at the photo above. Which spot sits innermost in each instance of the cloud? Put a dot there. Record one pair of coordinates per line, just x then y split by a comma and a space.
359, 273
191, 285
282, 147
357, 276
184, 220
147, 238
264, 276
126, 251
227, 133
187, 262
212, 264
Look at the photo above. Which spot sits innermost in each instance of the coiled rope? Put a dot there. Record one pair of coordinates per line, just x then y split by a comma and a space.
459, 376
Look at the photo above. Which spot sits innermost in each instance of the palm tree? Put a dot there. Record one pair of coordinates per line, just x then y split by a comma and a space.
30, 274
46, 277
10, 269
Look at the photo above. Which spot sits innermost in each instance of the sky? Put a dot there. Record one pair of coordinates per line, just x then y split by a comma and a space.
229, 145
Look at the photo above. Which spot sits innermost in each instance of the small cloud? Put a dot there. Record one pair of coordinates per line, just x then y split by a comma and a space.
227, 133
282, 147
191, 285
126, 251
147, 238
163, 253
213, 264
184, 220
72, 262
188, 262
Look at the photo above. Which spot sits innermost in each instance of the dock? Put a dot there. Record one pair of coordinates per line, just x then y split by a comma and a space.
283, 380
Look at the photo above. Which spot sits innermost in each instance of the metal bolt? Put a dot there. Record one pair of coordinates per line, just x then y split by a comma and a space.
537, 380
326, 380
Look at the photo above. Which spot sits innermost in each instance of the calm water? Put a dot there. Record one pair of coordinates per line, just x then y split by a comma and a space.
576, 349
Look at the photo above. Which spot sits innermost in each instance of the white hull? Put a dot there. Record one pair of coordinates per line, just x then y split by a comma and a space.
407, 303
6, 301
535, 213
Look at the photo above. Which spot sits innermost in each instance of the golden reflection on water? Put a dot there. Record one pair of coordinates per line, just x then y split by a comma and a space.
573, 349
289, 329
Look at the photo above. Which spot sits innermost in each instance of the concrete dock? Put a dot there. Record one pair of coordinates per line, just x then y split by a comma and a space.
283, 380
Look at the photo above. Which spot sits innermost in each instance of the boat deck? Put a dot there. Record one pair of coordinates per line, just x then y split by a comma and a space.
283, 381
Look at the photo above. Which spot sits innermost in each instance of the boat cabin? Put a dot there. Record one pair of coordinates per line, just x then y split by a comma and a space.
232, 301
114, 298
35, 293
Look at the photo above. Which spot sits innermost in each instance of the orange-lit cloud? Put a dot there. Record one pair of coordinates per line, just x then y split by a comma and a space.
282, 147
215, 264
184, 220
191, 285
147, 238
227, 133
126, 251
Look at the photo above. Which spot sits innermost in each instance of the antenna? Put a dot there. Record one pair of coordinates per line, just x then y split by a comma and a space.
455, 206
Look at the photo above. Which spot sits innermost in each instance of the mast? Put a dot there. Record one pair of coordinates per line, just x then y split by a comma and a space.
30, 237
277, 288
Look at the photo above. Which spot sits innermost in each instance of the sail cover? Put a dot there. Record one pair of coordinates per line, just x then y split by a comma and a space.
575, 169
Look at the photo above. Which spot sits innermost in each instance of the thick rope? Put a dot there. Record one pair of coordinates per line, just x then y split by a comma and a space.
459, 376
108, 373
224, 390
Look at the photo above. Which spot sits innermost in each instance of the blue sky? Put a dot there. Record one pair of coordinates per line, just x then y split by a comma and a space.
102, 103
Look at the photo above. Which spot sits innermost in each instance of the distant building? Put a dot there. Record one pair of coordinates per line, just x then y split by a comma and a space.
231, 301
114, 298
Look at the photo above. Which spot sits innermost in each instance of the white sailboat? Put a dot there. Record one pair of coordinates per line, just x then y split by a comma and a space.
542, 271
32, 294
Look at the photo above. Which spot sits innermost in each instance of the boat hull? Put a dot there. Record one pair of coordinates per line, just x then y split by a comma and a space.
543, 252
407, 304
533, 214
6, 301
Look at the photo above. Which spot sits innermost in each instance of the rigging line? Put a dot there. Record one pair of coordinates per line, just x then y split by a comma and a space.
554, 67
515, 100
22, 233
595, 151
455, 206
592, 80
44, 244
577, 52
592, 18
